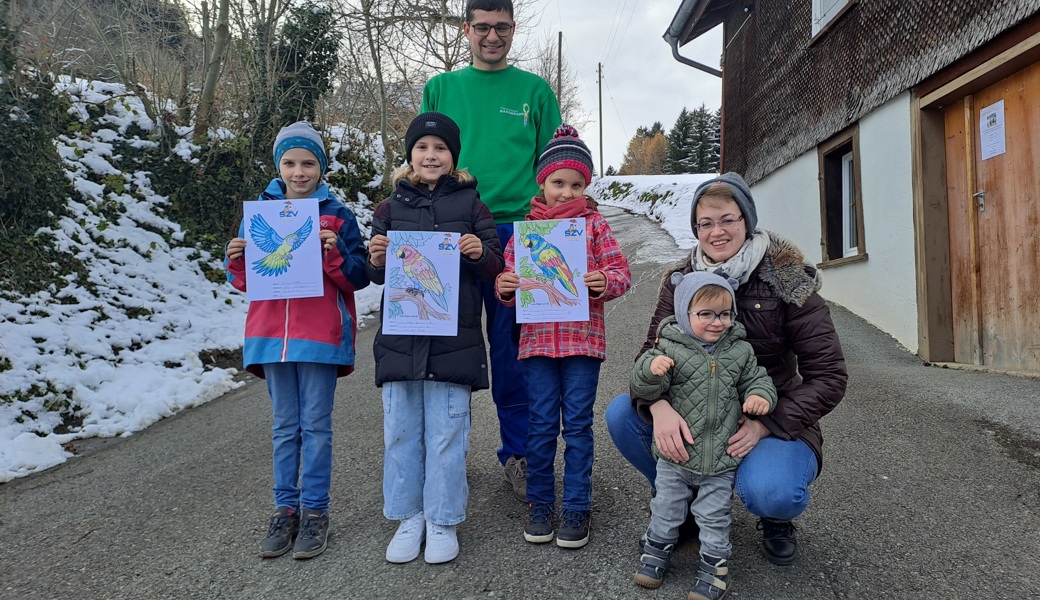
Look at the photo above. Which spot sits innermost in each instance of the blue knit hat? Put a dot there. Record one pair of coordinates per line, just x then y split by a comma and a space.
300, 135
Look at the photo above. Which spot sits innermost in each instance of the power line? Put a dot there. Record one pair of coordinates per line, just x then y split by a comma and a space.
614, 26
621, 41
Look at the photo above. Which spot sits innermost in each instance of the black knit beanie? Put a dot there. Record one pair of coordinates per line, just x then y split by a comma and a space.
741, 194
433, 123
565, 151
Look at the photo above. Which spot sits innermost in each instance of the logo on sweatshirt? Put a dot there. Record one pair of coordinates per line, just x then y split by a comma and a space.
525, 112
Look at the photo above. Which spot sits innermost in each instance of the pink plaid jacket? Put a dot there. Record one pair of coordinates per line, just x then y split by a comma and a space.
579, 338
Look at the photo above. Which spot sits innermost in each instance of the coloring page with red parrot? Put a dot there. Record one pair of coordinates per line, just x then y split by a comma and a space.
420, 296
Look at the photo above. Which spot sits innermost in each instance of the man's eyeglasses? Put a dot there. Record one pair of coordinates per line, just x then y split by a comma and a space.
482, 29
707, 317
707, 225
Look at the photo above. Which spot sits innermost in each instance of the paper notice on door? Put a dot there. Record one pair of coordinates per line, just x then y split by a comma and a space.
991, 125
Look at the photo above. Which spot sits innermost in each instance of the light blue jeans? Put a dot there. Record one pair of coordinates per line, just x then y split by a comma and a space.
772, 480
301, 402
425, 441
712, 507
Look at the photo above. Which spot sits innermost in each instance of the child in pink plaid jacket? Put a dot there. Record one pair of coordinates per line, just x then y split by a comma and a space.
561, 361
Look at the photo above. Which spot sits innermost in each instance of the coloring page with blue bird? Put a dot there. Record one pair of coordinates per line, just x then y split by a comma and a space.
420, 296
551, 258
283, 249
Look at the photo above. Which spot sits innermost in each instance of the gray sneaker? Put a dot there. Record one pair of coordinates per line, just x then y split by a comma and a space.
516, 475
314, 533
281, 530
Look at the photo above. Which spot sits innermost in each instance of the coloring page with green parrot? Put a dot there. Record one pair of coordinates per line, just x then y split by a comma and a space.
283, 249
420, 296
551, 258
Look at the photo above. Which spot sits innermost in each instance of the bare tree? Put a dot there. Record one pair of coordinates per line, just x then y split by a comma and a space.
215, 36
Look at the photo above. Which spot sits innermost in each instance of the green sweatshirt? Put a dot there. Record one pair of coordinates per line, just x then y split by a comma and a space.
506, 118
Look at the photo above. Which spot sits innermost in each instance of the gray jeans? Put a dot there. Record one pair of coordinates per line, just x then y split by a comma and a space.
712, 508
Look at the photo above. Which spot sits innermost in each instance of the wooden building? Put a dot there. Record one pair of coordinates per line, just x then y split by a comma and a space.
909, 129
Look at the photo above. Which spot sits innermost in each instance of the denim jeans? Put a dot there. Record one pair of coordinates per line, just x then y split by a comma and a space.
507, 379
772, 480
301, 402
561, 389
425, 440
712, 507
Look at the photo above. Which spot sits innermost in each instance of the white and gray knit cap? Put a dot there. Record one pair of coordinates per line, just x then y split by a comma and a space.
686, 287
300, 135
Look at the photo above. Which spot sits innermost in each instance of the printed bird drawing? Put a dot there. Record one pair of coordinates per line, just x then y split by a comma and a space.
424, 276
279, 250
550, 260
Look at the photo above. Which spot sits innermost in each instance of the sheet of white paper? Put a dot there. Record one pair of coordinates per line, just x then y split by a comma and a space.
991, 125
551, 259
420, 295
283, 249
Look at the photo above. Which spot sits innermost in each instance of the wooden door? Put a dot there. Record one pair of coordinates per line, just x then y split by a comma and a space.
994, 210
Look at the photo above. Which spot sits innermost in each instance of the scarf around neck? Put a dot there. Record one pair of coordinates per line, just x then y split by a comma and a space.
739, 267
574, 207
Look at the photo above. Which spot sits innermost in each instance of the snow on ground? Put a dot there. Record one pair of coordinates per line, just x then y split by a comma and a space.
124, 346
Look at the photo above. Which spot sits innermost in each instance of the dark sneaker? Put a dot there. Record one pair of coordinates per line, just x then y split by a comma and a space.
778, 542
516, 475
281, 530
712, 579
574, 529
314, 533
539, 527
654, 562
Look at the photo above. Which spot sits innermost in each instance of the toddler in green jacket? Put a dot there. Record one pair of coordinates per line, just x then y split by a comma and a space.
701, 362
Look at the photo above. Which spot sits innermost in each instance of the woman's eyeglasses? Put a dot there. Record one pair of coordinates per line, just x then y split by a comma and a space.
707, 225
482, 29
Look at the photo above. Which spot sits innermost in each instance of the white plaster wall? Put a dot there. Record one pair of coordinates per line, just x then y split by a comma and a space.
883, 288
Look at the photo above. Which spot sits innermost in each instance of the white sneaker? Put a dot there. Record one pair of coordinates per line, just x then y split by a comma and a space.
404, 547
442, 544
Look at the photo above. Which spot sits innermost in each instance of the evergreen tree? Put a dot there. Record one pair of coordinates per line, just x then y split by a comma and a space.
680, 139
714, 141
310, 47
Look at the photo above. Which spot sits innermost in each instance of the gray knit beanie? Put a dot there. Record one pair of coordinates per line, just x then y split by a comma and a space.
741, 193
300, 135
686, 287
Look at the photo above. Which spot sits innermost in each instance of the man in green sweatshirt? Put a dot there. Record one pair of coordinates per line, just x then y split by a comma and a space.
506, 116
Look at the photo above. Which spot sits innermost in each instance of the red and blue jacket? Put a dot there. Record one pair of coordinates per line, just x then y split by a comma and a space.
320, 329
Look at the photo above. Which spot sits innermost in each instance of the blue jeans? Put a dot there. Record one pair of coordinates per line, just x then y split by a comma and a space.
301, 402
507, 378
772, 480
425, 440
561, 389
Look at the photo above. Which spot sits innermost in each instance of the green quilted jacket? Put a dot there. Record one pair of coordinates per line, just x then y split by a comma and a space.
707, 389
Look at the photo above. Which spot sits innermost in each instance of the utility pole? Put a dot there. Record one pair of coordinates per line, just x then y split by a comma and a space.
559, 66
602, 167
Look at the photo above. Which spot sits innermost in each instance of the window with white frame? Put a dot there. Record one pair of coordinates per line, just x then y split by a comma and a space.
825, 11
841, 204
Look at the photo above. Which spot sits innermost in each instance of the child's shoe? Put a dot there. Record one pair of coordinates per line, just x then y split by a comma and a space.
574, 529
442, 544
314, 533
654, 562
405, 545
539, 527
284, 524
712, 579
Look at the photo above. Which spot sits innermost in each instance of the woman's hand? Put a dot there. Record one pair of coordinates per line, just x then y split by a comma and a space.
471, 246
746, 438
670, 431
377, 250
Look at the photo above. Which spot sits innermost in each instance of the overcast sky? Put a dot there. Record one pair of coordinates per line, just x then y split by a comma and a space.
643, 83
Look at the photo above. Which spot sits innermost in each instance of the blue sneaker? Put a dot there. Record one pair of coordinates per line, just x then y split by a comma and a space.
574, 529
539, 527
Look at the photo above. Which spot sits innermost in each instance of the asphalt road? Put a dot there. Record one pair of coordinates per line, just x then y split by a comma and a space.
930, 489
